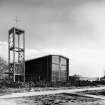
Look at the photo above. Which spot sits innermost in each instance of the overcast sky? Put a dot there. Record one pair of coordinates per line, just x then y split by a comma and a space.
73, 28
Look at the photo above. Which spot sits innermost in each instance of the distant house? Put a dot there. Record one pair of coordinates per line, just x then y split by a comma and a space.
88, 78
81, 78
102, 78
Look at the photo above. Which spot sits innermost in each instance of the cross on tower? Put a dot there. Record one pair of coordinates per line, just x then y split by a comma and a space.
16, 21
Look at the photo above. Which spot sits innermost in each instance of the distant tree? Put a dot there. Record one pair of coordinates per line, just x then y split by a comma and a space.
3, 68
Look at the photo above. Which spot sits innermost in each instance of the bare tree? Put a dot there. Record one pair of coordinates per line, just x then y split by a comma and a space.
3, 68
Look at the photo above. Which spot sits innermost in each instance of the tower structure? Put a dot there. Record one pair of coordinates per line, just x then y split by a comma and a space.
16, 54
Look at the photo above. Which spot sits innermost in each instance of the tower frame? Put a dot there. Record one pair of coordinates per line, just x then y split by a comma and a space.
16, 54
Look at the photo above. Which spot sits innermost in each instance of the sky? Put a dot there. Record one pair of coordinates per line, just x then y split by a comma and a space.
72, 28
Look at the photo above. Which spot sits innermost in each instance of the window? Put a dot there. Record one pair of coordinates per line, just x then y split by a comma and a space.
63, 61
55, 59
55, 72
55, 67
63, 68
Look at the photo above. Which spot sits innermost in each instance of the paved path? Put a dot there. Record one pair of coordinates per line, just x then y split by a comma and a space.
25, 94
94, 96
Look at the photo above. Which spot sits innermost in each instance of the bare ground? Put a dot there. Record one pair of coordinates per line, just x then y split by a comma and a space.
73, 98
57, 99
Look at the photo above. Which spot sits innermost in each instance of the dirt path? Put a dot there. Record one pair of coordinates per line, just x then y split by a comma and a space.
25, 94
